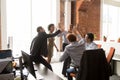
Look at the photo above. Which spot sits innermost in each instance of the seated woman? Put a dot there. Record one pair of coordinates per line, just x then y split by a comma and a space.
75, 51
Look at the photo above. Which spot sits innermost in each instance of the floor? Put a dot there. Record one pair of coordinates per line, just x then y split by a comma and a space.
57, 68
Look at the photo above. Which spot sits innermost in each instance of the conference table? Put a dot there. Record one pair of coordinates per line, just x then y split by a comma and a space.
116, 58
106, 46
42, 73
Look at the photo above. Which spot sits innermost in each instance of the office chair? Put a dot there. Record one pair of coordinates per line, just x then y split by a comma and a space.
110, 54
94, 66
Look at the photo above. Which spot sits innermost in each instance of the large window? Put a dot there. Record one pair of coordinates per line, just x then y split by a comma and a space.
111, 22
24, 16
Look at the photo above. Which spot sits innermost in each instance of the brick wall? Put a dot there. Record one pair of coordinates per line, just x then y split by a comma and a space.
62, 8
88, 16
73, 12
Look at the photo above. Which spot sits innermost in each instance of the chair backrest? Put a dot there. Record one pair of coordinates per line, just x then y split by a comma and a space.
99, 45
110, 54
5, 53
28, 63
94, 66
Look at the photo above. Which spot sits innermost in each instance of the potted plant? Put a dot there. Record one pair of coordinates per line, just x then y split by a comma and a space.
119, 40
104, 38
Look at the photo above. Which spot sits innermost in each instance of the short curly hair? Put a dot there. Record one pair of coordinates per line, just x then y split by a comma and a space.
49, 26
71, 37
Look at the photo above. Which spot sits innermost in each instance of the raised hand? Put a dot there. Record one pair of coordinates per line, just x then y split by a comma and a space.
75, 30
60, 27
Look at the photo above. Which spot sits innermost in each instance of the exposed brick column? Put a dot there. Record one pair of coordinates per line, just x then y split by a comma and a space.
78, 4
62, 8
89, 17
73, 12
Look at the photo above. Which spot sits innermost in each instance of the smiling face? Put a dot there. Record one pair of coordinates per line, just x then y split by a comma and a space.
89, 37
52, 28
86, 38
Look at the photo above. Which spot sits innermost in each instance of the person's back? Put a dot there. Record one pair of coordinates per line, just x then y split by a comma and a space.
75, 51
39, 44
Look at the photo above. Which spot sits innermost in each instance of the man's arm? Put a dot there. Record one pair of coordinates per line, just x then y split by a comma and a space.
79, 37
62, 29
77, 33
54, 34
64, 56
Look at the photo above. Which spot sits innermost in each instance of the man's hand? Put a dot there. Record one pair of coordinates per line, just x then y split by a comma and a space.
75, 30
60, 27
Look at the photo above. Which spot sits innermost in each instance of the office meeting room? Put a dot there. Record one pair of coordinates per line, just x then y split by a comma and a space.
59, 40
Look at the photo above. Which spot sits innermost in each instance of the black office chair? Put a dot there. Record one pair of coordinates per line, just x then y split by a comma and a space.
94, 66
28, 63
110, 54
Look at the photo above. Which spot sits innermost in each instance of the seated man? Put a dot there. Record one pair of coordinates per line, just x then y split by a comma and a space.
75, 51
89, 38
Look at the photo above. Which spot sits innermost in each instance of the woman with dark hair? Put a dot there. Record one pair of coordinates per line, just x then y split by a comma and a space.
51, 43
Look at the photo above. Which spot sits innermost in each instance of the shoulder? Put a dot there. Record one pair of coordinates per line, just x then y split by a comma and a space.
68, 46
81, 41
92, 46
93, 43
41, 33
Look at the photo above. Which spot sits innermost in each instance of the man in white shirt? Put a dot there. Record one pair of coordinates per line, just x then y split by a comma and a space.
89, 38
